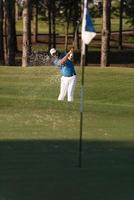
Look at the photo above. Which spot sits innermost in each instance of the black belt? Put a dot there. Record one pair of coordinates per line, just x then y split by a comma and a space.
70, 75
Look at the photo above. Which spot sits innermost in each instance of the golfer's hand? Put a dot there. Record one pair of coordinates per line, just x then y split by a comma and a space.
72, 50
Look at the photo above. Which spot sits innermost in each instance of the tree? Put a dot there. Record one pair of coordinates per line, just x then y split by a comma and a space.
51, 4
5, 24
11, 31
1, 34
105, 33
53, 23
76, 18
26, 43
50, 23
16, 11
35, 21
129, 5
68, 12
120, 24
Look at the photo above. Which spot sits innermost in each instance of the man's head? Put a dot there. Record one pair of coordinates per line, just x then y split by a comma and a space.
53, 52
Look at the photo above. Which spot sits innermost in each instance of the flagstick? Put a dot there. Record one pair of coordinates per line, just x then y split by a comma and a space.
88, 34
81, 104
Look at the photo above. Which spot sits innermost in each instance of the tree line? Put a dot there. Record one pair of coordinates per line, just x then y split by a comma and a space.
70, 11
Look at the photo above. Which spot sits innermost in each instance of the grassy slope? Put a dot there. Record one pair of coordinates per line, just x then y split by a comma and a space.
39, 136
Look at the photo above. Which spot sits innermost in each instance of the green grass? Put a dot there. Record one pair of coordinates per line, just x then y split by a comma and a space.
29, 97
114, 24
60, 26
39, 136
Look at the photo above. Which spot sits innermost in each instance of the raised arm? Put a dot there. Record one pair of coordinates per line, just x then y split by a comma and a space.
64, 59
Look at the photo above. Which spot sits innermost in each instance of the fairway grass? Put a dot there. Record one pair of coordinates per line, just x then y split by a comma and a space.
29, 108
39, 136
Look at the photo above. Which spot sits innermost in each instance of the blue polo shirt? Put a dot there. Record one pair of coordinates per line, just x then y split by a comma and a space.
66, 69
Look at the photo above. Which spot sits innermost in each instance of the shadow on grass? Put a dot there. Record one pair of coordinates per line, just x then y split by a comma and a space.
48, 169
115, 57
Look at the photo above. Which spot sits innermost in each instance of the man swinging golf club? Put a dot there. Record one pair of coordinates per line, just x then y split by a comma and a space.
68, 78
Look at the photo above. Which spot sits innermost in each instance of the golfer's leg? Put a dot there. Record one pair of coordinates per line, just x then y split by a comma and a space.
63, 88
71, 88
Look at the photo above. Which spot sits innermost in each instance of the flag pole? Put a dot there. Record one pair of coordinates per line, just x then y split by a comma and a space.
82, 91
87, 34
81, 102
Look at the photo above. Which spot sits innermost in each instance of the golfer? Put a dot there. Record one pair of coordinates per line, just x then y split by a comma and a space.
68, 78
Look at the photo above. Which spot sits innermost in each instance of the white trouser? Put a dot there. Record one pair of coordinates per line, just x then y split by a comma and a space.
67, 87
